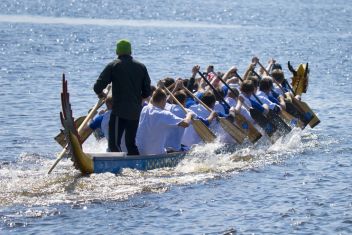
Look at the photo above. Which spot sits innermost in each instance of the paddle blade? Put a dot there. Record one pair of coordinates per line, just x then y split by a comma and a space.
235, 132
253, 134
203, 131
280, 124
263, 122
307, 112
60, 138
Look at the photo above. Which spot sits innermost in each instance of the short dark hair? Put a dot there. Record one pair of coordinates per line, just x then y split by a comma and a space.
278, 75
254, 80
208, 98
158, 95
266, 84
247, 86
180, 96
152, 89
168, 81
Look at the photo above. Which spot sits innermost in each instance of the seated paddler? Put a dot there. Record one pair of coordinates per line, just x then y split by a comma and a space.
156, 124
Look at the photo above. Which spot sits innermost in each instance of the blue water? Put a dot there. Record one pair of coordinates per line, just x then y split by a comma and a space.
299, 185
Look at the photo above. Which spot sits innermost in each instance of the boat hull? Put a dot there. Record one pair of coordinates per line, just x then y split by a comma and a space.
114, 164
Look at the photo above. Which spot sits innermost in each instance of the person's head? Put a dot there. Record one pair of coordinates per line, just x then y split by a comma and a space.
123, 47
219, 94
266, 84
208, 98
278, 75
247, 87
185, 82
276, 66
166, 81
210, 68
254, 80
159, 98
108, 102
181, 97
152, 89
233, 93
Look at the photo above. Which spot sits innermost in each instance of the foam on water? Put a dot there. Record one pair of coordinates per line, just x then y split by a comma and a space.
26, 181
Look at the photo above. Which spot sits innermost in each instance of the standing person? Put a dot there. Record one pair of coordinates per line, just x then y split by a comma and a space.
130, 84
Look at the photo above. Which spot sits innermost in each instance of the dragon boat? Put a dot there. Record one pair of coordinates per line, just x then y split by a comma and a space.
112, 162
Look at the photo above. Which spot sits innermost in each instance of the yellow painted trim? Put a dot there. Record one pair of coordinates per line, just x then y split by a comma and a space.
85, 163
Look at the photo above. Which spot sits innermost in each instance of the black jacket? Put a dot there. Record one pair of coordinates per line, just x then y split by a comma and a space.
130, 83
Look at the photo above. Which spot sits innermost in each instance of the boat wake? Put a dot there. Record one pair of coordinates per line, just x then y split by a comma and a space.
26, 182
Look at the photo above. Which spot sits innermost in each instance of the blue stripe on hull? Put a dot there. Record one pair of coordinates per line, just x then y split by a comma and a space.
115, 165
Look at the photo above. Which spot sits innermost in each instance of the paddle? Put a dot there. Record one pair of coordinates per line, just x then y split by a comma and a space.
202, 130
231, 129
294, 121
306, 114
81, 128
253, 133
272, 122
86, 132
274, 116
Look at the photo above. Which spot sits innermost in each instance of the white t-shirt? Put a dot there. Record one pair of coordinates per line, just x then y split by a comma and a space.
153, 129
265, 100
218, 107
190, 136
174, 138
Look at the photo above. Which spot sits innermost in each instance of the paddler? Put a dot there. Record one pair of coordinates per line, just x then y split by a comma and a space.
130, 84
156, 125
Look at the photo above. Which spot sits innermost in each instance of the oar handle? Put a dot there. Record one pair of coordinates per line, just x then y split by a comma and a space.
174, 98
214, 90
198, 100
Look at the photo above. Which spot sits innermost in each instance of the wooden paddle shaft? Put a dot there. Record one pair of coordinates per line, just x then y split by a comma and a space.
174, 98
276, 82
92, 113
198, 100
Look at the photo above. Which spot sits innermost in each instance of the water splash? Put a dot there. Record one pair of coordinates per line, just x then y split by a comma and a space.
26, 182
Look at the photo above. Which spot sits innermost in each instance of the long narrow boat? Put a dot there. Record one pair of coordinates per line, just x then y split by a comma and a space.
112, 162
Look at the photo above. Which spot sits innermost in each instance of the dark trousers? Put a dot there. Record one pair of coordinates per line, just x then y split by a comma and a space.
117, 126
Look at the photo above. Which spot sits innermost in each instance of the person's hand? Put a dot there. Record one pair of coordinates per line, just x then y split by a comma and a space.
255, 60
178, 84
195, 70
213, 115
252, 66
233, 69
272, 61
101, 95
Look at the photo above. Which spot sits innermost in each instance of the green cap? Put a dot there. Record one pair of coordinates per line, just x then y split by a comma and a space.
123, 47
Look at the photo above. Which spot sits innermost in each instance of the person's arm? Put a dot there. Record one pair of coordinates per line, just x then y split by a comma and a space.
103, 80
186, 121
229, 73
192, 79
146, 85
239, 104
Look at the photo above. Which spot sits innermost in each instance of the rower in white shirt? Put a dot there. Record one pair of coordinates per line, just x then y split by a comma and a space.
173, 141
190, 136
155, 125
